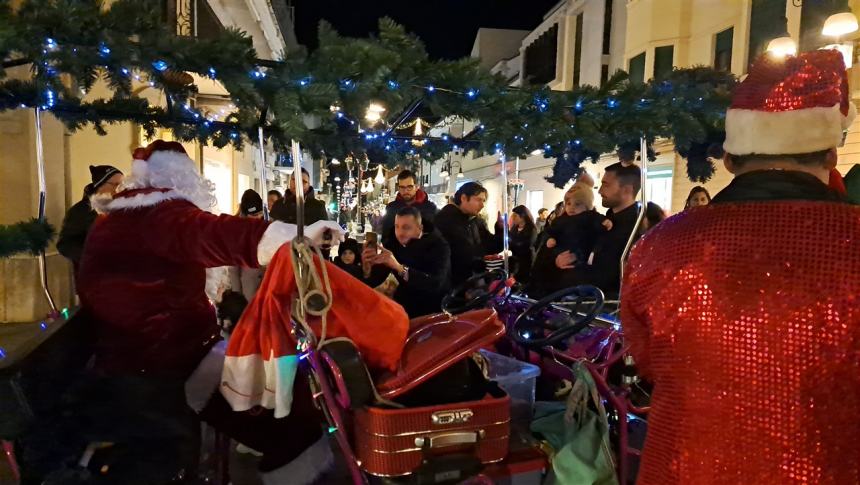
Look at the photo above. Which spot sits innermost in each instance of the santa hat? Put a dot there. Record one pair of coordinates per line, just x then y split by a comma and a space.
157, 155
790, 105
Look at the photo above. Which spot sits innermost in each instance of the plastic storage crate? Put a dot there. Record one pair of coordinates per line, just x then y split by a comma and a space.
518, 379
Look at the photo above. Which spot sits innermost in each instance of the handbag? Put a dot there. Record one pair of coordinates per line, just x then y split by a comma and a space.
578, 431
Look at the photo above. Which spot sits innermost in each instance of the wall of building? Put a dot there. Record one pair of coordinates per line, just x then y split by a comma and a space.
494, 45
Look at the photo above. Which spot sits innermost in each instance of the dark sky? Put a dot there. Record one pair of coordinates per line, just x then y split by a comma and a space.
447, 27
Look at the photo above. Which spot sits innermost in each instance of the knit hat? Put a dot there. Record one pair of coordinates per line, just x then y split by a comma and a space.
252, 203
790, 105
349, 244
101, 174
582, 195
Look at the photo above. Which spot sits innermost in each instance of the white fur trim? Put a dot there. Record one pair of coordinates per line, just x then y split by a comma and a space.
275, 236
785, 132
139, 168
249, 381
306, 468
104, 205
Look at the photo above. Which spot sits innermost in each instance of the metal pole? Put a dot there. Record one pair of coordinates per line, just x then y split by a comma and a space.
262, 167
517, 187
300, 195
504, 161
43, 190
643, 204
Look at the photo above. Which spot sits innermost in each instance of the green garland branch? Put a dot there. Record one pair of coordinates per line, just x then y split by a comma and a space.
319, 98
30, 236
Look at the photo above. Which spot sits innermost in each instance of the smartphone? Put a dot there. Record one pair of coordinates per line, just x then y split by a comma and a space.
371, 240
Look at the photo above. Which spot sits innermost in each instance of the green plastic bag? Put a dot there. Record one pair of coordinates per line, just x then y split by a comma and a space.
579, 435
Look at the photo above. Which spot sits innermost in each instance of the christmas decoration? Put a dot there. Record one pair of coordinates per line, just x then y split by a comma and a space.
30, 237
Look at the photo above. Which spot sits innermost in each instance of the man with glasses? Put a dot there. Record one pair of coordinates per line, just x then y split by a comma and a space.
408, 195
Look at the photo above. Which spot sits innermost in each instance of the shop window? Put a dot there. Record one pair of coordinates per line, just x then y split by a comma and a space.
723, 50
636, 69
663, 61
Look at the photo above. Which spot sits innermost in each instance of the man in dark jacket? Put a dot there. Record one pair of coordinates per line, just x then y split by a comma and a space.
79, 218
618, 189
466, 233
408, 195
418, 259
285, 209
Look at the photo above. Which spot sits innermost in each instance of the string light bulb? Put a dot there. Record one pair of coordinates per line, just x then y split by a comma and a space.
840, 24
380, 176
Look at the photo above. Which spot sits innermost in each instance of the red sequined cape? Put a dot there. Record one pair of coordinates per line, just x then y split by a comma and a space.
745, 315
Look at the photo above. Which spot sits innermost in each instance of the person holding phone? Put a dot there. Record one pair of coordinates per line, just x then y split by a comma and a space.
417, 258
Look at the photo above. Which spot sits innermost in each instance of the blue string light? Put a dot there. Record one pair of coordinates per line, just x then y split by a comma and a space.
49, 98
212, 72
50, 43
257, 74
104, 50
455, 147
339, 115
578, 107
2, 353
124, 71
305, 81
347, 84
234, 135
472, 93
431, 89
393, 85
612, 103
480, 127
445, 137
43, 326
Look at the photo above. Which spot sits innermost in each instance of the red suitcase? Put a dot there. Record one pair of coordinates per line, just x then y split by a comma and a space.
394, 442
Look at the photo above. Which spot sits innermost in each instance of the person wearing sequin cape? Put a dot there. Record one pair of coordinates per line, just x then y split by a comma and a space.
745, 313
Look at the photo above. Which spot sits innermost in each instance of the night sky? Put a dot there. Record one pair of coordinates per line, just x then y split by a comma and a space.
447, 27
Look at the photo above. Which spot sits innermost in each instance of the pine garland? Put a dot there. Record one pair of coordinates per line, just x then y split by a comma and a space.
30, 236
73, 43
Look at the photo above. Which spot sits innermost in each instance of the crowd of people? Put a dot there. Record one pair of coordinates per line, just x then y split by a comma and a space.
742, 314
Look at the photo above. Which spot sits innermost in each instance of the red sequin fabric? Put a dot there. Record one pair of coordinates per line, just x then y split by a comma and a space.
745, 316
815, 79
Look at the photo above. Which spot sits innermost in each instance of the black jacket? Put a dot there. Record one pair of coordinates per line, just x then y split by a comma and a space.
76, 226
578, 233
285, 209
428, 280
422, 203
605, 270
521, 244
469, 240
763, 185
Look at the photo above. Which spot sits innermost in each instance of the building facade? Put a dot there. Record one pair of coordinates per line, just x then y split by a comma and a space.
68, 155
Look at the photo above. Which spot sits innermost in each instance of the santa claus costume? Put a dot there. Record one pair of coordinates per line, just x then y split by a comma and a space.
745, 312
142, 278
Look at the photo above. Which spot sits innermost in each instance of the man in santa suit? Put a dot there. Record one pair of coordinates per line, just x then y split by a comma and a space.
745, 312
142, 278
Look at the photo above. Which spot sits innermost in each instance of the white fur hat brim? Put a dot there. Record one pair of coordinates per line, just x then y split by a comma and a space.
786, 132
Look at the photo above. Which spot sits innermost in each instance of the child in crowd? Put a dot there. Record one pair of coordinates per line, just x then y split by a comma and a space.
348, 257
579, 227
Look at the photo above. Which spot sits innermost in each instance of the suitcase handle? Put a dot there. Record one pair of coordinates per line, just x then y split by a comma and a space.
449, 439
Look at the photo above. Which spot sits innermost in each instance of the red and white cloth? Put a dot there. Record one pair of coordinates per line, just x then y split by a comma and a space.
790, 105
262, 359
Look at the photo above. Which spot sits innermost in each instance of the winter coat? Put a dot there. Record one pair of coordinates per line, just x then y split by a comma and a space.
143, 275
76, 226
521, 245
469, 240
285, 209
428, 260
717, 301
421, 202
577, 234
